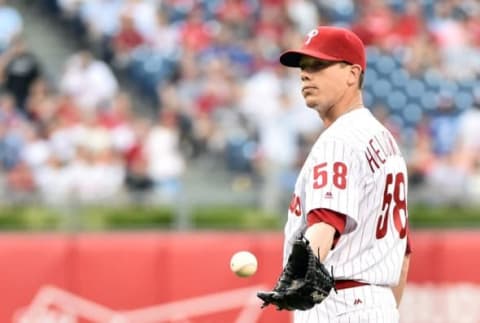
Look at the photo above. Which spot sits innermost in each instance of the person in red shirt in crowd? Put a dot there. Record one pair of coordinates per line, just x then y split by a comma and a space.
374, 23
234, 12
195, 34
125, 40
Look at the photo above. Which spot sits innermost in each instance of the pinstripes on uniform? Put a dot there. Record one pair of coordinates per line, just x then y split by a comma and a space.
364, 304
353, 169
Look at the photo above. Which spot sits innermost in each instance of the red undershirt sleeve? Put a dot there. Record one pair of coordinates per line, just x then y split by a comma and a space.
338, 220
408, 250
335, 219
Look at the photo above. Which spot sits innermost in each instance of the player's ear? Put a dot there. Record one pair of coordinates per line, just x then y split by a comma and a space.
354, 73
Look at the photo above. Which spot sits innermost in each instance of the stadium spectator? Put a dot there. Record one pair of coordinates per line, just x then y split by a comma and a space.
36, 150
22, 69
11, 24
106, 177
408, 24
125, 40
195, 32
235, 14
101, 28
304, 14
118, 119
422, 54
143, 14
20, 182
51, 182
375, 23
166, 164
164, 38
89, 81
138, 180
39, 91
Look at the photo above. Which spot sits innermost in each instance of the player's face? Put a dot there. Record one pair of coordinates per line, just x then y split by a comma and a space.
324, 83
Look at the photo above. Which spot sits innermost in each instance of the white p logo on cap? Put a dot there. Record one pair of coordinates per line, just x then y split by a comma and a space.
312, 33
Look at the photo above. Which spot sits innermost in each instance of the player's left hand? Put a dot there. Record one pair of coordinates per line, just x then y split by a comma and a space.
303, 283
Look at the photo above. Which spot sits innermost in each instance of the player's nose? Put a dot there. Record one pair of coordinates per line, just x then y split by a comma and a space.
304, 76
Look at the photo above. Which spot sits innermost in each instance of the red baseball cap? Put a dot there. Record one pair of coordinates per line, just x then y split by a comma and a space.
331, 44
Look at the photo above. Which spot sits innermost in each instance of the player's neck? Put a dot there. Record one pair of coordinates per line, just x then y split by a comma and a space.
343, 107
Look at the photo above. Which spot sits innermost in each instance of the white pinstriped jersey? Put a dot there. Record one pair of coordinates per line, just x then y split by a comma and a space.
356, 168
364, 304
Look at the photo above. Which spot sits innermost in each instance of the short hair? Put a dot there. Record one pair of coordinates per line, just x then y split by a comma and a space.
360, 80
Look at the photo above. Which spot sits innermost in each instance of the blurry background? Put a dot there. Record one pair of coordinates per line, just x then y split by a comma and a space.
174, 115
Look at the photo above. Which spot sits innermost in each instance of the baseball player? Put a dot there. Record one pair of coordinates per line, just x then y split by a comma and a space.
350, 199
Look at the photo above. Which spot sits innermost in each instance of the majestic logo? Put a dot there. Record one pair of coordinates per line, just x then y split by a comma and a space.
312, 33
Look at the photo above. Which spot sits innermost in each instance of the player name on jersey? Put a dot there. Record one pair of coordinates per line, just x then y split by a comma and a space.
379, 148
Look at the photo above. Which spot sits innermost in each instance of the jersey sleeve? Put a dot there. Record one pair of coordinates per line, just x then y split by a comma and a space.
333, 179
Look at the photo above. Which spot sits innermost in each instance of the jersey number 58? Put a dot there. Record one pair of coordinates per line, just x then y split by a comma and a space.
398, 199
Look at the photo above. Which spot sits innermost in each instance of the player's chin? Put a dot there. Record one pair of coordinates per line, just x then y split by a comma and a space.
310, 102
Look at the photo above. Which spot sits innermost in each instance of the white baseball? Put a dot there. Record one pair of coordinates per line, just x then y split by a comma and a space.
244, 263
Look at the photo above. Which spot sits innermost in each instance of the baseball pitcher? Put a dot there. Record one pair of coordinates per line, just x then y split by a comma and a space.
346, 254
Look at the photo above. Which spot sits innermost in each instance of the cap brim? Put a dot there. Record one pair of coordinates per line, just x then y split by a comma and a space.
292, 58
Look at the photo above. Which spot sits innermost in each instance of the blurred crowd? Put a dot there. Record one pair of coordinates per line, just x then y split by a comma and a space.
210, 70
